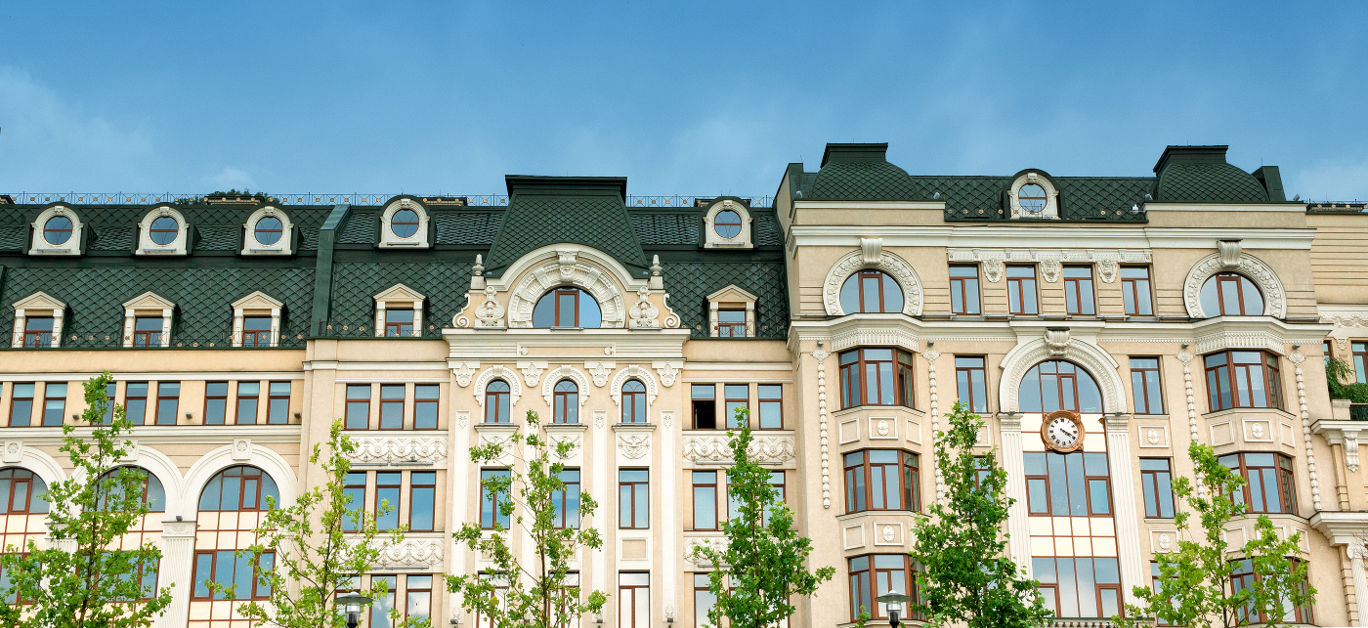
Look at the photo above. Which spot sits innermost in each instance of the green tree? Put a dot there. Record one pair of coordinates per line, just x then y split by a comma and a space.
764, 562
1195, 587
961, 545
309, 550
531, 591
83, 578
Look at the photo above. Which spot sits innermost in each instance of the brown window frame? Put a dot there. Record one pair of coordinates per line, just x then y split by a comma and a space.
147, 338
1234, 278
560, 497
1052, 602
414, 487
496, 520
1087, 478
642, 487
1358, 358
162, 397
871, 576
623, 589
634, 401
496, 401
143, 396
908, 471
965, 378
1284, 478
256, 336
30, 480
1075, 287
395, 329
1151, 481
360, 404
392, 482
694, 486
1140, 392
1237, 373
272, 397
410, 591
903, 377
1130, 286
870, 273
389, 403
1242, 575
574, 316
39, 338
776, 401
209, 397
256, 594
422, 403
959, 287
735, 397
1016, 286
700, 406
731, 329
565, 403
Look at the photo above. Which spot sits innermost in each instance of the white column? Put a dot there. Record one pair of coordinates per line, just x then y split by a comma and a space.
1014, 463
669, 527
463, 473
177, 563
1134, 571
1357, 557
605, 455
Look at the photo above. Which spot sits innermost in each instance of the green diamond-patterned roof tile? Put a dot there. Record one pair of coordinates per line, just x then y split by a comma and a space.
666, 228
468, 228
1208, 182
862, 180
14, 238
690, 282
355, 284
361, 226
591, 218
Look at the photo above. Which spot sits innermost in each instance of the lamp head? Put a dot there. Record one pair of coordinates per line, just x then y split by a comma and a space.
353, 602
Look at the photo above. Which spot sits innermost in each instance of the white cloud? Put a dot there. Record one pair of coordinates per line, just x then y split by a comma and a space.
230, 178
1329, 180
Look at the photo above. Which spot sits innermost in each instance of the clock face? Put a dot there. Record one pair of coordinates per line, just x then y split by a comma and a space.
1063, 432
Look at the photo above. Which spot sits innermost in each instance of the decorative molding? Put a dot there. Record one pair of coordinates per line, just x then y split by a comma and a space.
1354, 316
1342, 433
994, 260
667, 371
634, 445
464, 372
600, 371
870, 333
531, 372
1275, 298
399, 450
824, 435
629, 372
717, 543
1304, 413
498, 371
1093, 359
895, 266
559, 373
490, 312
242, 449
1057, 341
414, 552
774, 449
644, 314
572, 266
931, 355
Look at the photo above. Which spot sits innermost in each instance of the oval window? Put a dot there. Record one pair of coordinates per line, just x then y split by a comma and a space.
404, 223
1031, 197
57, 230
164, 231
727, 224
268, 230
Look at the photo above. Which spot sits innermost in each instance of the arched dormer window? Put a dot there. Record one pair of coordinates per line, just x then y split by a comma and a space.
268, 231
497, 402
567, 306
163, 231
1059, 385
634, 401
727, 224
565, 406
1231, 294
404, 224
56, 231
1033, 196
871, 291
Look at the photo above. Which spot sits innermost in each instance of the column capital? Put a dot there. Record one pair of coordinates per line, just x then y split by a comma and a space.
178, 528
1010, 421
1116, 422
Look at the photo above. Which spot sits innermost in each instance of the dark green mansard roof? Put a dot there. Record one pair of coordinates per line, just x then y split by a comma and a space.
591, 211
1184, 174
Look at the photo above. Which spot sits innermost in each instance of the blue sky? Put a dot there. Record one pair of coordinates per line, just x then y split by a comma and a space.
682, 98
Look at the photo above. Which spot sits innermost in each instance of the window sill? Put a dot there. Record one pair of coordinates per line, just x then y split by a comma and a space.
1229, 411
877, 513
877, 408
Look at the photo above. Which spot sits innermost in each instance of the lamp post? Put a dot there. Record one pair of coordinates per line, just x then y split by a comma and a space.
352, 604
891, 598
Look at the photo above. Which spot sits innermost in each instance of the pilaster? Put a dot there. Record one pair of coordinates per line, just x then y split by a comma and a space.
178, 554
1014, 463
1134, 571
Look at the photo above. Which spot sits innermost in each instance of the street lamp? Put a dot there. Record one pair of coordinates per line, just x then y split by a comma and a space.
891, 598
352, 604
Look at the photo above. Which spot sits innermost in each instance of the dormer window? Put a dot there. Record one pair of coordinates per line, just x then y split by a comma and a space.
1033, 196
728, 225
256, 331
256, 321
567, 306
147, 321
38, 322
399, 312
268, 232
731, 313
56, 231
404, 224
147, 331
731, 323
163, 231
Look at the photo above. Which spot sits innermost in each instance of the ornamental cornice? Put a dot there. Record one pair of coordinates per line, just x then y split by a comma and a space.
398, 450
1229, 258
1049, 259
715, 448
414, 552
1346, 434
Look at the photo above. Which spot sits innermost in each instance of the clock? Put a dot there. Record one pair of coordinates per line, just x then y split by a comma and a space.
1062, 431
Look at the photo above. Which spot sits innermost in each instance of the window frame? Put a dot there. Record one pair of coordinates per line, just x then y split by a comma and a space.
254, 400
731, 329
634, 407
565, 403
272, 397
139, 398
562, 516
1017, 289
256, 337
867, 580
1270, 378
695, 486
1132, 287
492, 499
211, 396
388, 405
422, 403
498, 404
416, 492
960, 288
144, 336
1140, 386
163, 397
1358, 358
966, 380
697, 405
902, 372
1156, 486
860, 498
1283, 472
767, 404
634, 488
388, 483
39, 338
882, 304
1076, 288
397, 329
356, 406
1070, 492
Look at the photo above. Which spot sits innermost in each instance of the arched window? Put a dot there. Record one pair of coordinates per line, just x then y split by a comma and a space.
164, 230
566, 306
239, 488
497, 402
148, 485
231, 507
404, 223
57, 230
24, 493
1059, 385
633, 401
871, 291
1231, 294
565, 408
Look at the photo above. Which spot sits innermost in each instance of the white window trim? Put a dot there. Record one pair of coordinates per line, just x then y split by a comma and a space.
40, 246
418, 239
33, 305
1051, 211
147, 303
714, 241
177, 246
399, 294
731, 295
256, 303
283, 246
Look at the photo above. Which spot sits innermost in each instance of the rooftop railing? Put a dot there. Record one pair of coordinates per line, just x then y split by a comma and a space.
312, 198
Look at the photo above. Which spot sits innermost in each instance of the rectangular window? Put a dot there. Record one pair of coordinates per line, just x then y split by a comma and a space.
1021, 289
248, 398
1068, 485
565, 503
703, 599
391, 406
358, 406
1146, 390
147, 331
215, 403
354, 489
388, 487
1269, 485
731, 323
228, 569
876, 574
418, 598
493, 493
256, 331
964, 289
705, 500
704, 398
380, 607
779, 484
38, 332
422, 500
168, 402
736, 397
1078, 291
972, 378
882, 479
135, 402
1156, 480
398, 322
1135, 291
425, 398
1243, 379
278, 403
871, 377
54, 403
21, 405
1242, 577
111, 390
771, 398
634, 599
1359, 351
1079, 587
634, 499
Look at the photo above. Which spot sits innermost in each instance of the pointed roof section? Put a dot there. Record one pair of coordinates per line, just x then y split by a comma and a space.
1201, 174
148, 301
590, 211
861, 172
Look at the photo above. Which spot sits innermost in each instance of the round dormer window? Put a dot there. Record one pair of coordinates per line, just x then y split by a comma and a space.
57, 230
1032, 198
164, 231
727, 224
404, 223
268, 230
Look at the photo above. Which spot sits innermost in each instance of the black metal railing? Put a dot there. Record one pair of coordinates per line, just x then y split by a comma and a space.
313, 198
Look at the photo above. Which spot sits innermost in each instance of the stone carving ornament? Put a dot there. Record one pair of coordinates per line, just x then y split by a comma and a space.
634, 446
399, 449
895, 266
1230, 259
490, 313
644, 314
715, 448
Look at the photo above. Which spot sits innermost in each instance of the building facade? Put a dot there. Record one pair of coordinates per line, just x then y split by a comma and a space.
1099, 324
